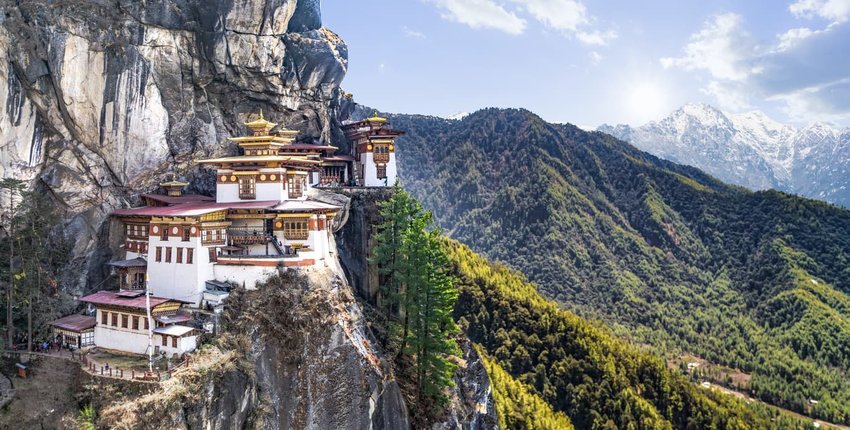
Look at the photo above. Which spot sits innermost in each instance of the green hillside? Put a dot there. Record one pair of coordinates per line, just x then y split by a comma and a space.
664, 254
542, 358
517, 406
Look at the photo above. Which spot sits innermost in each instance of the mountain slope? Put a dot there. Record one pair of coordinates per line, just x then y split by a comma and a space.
665, 254
750, 149
576, 366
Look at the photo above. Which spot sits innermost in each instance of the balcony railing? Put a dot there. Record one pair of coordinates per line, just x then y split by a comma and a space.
248, 235
296, 235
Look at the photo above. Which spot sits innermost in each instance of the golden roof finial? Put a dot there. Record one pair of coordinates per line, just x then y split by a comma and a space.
376, 119
260, 125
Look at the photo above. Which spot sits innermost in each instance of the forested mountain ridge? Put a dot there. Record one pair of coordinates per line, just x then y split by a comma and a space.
665, 254
541, 358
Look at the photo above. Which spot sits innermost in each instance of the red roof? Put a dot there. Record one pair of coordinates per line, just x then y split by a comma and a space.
192, 208
174, 200
75, 322
112, 298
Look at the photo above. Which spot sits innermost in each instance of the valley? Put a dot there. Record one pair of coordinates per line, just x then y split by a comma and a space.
662, 253
689, 273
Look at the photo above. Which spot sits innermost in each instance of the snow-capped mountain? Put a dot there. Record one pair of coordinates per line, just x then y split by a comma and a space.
750, 149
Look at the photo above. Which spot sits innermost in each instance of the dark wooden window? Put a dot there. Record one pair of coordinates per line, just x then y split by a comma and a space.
168, 254
158, 254
146, 323
164, 234
213, 256
381, 154
190, 255
174, 341
296, 185
295, 230
187, 231
164, 340
135, 322
125, 321
104, 317
381, 171
180, 255
247, 188
114, 319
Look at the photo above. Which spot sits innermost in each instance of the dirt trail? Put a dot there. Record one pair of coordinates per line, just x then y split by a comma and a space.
46, 399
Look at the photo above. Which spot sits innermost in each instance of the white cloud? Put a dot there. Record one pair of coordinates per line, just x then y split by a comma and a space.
569, 17
411, 33
481, 14
595, 58
559, 14
722, 48
596, 37
806, 70
833, 10
812, 104
731, 97
792, 37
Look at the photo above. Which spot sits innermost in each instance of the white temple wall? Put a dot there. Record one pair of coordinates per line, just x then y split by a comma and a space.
184, 344
250, 276
370, 171
121, 339
269, 191
181, 281
227, 193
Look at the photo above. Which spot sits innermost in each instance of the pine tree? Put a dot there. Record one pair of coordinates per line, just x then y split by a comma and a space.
43, 251
436, 327
14, 187
417, 294
397, 213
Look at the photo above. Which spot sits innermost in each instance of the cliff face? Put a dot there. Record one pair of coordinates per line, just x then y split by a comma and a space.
100, 98
471, 404
294, 354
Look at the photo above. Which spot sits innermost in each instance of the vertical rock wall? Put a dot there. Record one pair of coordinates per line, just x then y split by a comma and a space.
100, 98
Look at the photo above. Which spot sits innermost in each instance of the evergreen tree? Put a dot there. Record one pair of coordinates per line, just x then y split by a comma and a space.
14, 187
397, 213
433, 330
43, 251
417, 294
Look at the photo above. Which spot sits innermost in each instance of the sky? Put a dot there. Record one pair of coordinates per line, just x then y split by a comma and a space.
589, 63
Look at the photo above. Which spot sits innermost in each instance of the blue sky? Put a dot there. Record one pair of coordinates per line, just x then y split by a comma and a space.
595, 62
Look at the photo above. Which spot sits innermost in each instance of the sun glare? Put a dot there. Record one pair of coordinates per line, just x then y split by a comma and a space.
646, 101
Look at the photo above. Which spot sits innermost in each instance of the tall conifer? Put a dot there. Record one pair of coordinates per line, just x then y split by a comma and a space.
417, 294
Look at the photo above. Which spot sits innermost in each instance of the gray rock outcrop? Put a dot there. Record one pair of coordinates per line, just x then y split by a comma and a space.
100, 98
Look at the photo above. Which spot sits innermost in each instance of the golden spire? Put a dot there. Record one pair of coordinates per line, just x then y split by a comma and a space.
173, 187
260, 126
376, 119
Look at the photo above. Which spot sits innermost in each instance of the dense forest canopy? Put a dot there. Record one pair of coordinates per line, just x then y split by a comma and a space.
545, 362
664, 254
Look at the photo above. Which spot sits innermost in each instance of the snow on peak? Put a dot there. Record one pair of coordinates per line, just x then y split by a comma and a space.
748, 148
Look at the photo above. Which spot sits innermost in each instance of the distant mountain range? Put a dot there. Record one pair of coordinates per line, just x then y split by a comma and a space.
750, 149
667, 256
